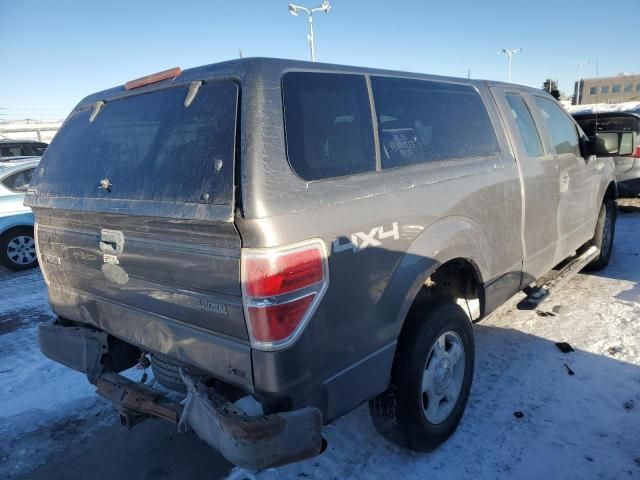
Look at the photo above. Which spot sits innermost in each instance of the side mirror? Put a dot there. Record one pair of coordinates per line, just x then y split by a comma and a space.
593, 146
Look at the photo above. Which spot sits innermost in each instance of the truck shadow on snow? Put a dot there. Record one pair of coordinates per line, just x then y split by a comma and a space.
625, 261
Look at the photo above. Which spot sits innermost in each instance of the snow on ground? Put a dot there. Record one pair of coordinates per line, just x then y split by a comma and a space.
585, 425
604, 107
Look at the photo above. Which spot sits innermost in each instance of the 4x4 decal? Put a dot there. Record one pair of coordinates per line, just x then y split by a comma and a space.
361, 240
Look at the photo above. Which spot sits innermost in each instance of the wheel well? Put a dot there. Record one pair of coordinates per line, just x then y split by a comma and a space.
16, 227
457, 280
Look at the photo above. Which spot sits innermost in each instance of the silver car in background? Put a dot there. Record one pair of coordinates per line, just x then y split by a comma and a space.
17, 245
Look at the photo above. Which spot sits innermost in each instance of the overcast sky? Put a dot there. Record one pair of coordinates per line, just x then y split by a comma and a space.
53, 53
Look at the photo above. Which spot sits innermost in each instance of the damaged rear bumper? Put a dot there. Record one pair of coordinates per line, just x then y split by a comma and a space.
252, 442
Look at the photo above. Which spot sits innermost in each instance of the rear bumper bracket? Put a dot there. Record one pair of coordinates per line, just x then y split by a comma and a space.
252, 442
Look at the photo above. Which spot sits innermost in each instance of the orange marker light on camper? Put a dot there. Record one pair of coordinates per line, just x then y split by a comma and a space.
153, 78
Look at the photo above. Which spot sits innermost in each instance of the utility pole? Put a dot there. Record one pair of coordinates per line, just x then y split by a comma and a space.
296, 9
579, 65
510, 52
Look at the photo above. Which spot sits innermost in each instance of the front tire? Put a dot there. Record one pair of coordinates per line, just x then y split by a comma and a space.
431, 379
18, 249
604, 235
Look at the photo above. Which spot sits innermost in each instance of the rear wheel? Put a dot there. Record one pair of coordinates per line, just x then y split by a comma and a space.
431, 379
604, 235
18, 249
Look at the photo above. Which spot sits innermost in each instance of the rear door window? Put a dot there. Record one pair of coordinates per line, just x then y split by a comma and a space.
13, 151
37, 150
526, 126
19, 181
150, 147
617, 143
562, 130
421, 121
607, 124
329, 131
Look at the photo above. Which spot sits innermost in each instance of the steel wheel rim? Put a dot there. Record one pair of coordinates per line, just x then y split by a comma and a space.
442, 378
21, 250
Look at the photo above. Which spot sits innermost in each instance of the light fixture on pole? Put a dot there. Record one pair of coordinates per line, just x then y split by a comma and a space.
296, 9
579, 65
510, 52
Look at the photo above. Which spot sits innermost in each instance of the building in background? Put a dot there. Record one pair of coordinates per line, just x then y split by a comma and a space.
621, 88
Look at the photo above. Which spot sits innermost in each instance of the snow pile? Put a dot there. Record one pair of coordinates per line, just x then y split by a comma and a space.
605, 107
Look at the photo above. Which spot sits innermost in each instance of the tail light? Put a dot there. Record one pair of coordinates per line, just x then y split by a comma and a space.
281, 288
637, 154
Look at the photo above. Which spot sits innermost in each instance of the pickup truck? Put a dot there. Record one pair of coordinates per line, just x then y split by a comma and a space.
283, 241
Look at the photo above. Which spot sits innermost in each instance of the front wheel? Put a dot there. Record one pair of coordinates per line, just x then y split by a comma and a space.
604, 234
431, 379
18, 249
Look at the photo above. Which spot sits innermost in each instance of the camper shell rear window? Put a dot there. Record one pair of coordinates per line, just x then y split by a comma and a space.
149, 147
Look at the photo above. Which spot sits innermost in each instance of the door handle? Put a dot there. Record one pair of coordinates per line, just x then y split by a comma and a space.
111, 241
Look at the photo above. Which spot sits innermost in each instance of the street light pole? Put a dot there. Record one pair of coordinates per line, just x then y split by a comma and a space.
296, 9
510, 52
310, 38
579, 65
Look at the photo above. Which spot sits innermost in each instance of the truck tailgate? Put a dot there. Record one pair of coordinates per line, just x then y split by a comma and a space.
134, 204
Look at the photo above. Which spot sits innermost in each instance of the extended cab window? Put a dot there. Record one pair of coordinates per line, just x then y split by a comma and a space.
150, 147
526, 125
422, 121
562, 130
328, 125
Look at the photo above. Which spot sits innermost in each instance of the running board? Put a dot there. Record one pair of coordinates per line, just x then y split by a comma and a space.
546, 285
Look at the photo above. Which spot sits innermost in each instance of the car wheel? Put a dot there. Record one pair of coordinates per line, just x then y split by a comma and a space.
18, 249
604, 235
431, 379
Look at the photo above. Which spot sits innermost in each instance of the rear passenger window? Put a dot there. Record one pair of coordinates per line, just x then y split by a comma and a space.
328, 125
526, 126
421, 121
562, 130
19, 181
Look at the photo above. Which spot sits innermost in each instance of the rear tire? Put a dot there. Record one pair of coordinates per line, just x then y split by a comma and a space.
431, 379
18, 249
604, 235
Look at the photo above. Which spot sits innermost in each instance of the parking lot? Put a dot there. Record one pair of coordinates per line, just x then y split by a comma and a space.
579, 411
